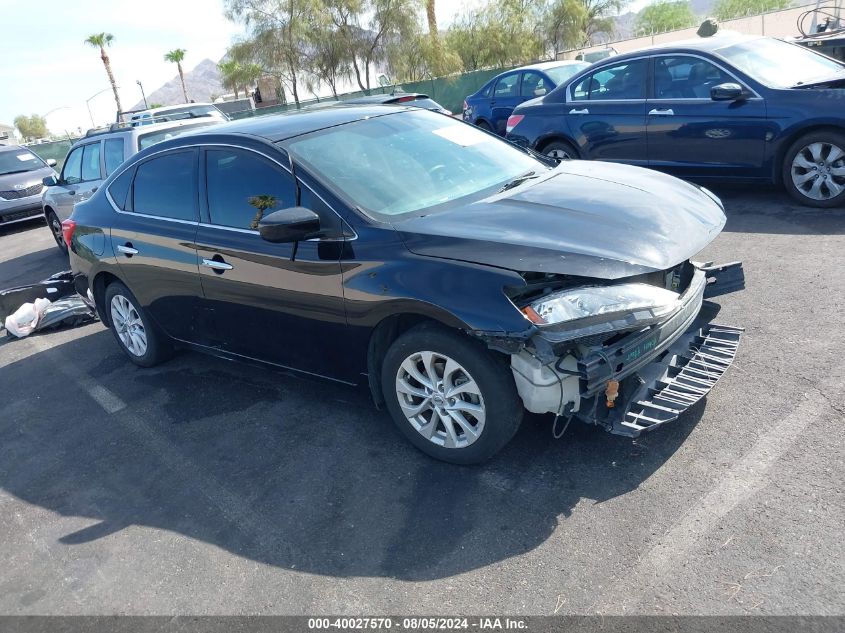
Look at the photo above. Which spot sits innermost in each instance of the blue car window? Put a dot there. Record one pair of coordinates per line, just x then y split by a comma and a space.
534, 85
616, 82
507, 86
686, 77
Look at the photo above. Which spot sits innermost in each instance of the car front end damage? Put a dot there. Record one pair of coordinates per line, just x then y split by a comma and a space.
630, 367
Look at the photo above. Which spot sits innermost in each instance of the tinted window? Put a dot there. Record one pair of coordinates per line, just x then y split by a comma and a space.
685, 77
507, 86
620, 81
113, 154
72, 170
119, 189
91, 162
243, 187
164, 187
534, 85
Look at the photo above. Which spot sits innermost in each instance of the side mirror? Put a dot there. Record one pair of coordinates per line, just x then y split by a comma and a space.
726, 92
289, 225
539, 92
51, 162
50, 181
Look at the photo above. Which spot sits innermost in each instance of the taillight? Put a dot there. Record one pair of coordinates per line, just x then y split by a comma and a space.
513, 121
466, 106
405, 99
68, 227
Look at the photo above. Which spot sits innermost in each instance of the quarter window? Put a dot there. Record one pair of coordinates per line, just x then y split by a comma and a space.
617, 82
119, 189
72, 170
686, 77
113, 154
91, 162
243, 188
164, 187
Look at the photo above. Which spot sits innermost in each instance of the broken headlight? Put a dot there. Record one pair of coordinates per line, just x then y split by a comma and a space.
590, 305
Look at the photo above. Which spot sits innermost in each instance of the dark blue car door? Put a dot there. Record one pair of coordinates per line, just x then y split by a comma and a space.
692, 135
605, 112
504, 99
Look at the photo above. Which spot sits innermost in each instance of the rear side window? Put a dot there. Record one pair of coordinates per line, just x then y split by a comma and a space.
113, 154
119, 189
243, 188
165, 187
91, 162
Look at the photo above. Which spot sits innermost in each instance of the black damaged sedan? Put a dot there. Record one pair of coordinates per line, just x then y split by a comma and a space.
462, 279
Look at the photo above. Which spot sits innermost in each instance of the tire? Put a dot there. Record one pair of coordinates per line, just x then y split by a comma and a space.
560, 150
482, 124
813, 169
121, 304
487, 383
56, 229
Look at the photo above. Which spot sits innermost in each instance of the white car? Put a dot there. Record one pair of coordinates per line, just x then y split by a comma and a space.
177, 113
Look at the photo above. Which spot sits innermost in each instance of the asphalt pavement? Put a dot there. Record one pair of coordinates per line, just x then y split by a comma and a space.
208, 487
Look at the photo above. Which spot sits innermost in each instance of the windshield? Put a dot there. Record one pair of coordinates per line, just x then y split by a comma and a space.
780, 65
406, 162
17, 161
151, 138
559, 74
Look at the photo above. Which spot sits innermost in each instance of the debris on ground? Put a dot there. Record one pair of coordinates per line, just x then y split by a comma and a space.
48, 304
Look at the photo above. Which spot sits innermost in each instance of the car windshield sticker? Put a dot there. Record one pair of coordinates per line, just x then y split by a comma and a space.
462, 134
25, 157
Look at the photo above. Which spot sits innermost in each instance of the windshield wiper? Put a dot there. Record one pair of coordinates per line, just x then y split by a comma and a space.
519, 180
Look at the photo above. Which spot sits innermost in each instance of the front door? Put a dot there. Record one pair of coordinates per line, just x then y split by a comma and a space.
153, 240
605, 113
279, 303
690, 134
81, 175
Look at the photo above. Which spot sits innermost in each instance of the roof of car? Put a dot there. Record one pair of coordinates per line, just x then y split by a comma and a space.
386, 97
555, 64
144, 129
278, 127
8, 148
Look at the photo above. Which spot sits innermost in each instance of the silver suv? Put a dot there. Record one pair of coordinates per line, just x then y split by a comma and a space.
93, 158
21, 177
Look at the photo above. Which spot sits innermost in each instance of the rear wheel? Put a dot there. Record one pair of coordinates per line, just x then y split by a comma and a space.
483, 125
814, 169
560, 150
135, 332
453, 399
56, 230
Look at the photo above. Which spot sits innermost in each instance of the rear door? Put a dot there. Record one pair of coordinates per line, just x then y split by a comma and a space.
504, 99
606, 112
153, 239
280, 303
690, 134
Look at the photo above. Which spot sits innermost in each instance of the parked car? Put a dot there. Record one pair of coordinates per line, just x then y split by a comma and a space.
490, 107
338, 243
724, 108
21, 176
177, 113
92, 158
415, 99
596, 56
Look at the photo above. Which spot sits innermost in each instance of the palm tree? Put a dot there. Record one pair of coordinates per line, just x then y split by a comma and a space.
176, 56
101, 41
231, 75
262, 203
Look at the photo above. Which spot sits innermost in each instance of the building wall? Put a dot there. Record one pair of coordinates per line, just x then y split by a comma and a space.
774, 24
8, 135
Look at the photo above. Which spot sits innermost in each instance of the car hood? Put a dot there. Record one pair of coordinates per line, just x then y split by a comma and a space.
590, 219
23, 180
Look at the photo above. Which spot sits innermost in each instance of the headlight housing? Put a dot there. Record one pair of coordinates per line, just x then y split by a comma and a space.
618, 306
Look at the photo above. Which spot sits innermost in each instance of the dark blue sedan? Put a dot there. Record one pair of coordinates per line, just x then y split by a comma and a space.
727, 108
490, 107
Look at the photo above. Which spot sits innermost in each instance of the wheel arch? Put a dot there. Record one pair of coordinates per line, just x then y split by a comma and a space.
789, 139
99, 283
545, 141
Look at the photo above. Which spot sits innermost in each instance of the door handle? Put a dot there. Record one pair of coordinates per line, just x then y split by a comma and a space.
577, 111
217, 266
659, 112
127, 249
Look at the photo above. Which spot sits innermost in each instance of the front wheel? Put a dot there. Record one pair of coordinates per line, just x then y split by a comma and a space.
814, 169
453, 399
56, 230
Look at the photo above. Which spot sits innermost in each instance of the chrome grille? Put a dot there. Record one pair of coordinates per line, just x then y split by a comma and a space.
16, 194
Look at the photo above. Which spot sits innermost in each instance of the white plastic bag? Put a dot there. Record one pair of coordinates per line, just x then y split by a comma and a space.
25, 318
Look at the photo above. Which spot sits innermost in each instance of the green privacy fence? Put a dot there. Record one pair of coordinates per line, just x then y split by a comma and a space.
57, 150
449, 92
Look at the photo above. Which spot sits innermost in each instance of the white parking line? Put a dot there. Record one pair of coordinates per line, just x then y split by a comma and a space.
745, 479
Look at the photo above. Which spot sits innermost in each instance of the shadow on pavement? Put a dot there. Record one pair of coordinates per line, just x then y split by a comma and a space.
294, 473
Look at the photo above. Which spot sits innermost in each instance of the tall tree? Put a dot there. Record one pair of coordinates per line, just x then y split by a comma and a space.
176, 56
31, 127
563, 25
101, 41
664, 16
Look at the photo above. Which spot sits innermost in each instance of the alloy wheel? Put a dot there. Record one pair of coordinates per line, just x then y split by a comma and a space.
128, 325
558, 154
818, 171
440, 399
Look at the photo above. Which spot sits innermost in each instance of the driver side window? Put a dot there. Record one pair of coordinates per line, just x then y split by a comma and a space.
72, 170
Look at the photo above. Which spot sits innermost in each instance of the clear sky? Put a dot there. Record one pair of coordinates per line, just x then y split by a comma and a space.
46, 68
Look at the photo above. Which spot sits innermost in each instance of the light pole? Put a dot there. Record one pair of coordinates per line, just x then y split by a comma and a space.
141, 86
88, 104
